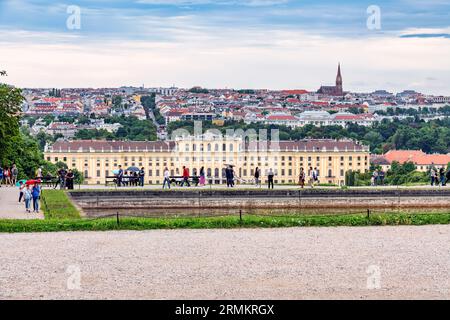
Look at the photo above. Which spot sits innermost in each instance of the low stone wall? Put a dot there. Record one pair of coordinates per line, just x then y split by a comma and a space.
263, 199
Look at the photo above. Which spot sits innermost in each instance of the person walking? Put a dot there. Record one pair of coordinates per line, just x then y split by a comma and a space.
141, 177
7, 175
120, 176
229, 177
27, 196
69, 179
39, 175
36, 193
202, 180
442, 176
21, 189
374, 180
232, 176
301, 178
185, 177
311, 177
62, 178
270, 176
1, 176
257, 176
166, 178
316, 176
381, 177
433, 175
447, 177
14, 174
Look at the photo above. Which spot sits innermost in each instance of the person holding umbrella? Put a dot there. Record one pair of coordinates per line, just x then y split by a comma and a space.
36, 193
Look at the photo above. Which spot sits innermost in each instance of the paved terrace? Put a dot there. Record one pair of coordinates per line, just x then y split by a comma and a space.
11, 209
401, 262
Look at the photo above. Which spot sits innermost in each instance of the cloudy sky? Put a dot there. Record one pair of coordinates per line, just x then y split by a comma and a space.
274, 44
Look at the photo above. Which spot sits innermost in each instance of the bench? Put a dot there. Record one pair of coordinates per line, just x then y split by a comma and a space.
126, 180
178, 180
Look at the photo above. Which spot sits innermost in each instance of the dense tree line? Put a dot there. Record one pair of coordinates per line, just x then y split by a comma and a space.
414, 112
410, 133
132, 129
398, 174
16, 146
149, 104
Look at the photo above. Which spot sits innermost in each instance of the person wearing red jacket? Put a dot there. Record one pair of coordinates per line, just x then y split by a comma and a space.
185, 177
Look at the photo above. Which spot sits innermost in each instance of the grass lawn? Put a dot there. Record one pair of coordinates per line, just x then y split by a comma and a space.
57, 205
54, 225
62, 215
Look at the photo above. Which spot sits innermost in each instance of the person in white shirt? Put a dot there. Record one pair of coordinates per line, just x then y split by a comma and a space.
166, 178
312, 177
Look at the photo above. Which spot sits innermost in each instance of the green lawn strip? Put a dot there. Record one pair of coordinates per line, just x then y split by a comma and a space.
57, 205
128, 223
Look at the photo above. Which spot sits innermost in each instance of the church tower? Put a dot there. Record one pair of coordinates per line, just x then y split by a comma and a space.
339, 90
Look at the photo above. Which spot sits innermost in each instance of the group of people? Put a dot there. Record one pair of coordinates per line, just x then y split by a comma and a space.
65, 179
201, 178
8, 175
130, 178
439, 178
136, 178
377, 178
30, 194
312, 176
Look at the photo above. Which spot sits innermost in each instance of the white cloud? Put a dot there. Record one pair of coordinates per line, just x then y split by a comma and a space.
222, 57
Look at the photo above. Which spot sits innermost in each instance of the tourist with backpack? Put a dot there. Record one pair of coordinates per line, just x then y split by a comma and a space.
36, 194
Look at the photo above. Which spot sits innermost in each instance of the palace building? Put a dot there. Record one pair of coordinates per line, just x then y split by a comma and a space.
97, 159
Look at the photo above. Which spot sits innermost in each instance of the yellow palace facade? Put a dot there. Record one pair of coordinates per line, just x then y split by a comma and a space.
97, 159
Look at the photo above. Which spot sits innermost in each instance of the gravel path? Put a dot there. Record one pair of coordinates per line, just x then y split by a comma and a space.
295, 263
11, 209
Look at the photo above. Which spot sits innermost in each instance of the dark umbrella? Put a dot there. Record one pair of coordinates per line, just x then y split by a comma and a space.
133, 169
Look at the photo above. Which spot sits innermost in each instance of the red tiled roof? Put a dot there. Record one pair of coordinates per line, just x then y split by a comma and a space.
141, 146
402, 156
417, 157
289, 92
429, 159
282, 118
111, 146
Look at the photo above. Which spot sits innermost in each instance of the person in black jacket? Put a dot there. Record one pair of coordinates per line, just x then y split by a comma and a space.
447, 177
120, 176
141, 177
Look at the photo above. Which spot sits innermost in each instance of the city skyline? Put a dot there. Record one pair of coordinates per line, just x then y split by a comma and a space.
253, 44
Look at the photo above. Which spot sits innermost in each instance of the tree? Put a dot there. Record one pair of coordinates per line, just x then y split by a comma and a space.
149, 104
10, 107
17, 146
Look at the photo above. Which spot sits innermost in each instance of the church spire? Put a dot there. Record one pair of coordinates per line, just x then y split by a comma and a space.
339, 89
